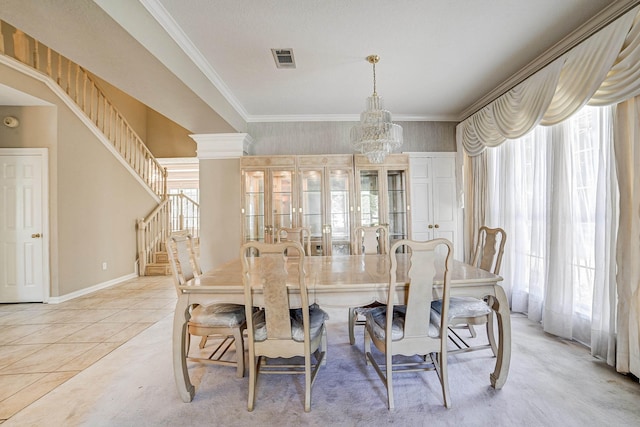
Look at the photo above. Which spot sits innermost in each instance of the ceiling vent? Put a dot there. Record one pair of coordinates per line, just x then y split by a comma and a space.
284, 58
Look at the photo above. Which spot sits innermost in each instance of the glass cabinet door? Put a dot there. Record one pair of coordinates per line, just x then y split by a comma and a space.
397, 203
281, 199
326, 201
326, 210
382, 194
312, 208
254, 206
339, 212
369, 198
268, 203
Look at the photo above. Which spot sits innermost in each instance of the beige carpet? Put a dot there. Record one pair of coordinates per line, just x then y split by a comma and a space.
551, 383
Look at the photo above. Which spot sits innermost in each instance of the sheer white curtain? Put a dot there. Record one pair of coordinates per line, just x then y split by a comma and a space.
552, 191
627, 153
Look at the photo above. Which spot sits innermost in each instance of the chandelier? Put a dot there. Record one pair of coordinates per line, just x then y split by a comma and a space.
375, 136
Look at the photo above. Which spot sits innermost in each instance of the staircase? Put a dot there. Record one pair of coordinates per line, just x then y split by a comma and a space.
160, 264
160, 261
175, 213
76, 87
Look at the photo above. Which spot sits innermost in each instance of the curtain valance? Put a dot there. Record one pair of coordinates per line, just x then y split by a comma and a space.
602, 70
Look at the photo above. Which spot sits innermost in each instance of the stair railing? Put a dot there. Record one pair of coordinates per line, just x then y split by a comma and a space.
185, 214
176, 213
153, 232
86, 93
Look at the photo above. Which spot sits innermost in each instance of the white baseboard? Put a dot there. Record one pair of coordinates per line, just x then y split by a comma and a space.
94, 288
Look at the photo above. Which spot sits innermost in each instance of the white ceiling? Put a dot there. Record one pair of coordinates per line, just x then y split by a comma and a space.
438, 57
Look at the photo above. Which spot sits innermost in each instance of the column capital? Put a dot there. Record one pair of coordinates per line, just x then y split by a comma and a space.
222, 145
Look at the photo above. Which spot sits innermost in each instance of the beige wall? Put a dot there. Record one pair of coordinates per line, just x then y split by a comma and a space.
131, 109
220, 203
163, 137
167, 139
99, 203
93, 199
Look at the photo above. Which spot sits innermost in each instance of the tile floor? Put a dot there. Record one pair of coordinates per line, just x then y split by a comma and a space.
44, 345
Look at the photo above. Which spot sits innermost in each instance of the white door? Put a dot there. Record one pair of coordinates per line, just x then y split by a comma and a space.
435, 212
22, 225
421, 198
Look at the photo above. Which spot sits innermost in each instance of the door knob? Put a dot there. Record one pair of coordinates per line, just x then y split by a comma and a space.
430, 226
437, 226
36, 235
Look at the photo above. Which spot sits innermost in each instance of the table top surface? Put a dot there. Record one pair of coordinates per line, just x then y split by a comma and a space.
351, 271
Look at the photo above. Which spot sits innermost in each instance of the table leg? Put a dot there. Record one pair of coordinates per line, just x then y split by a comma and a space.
499, 376
186, 390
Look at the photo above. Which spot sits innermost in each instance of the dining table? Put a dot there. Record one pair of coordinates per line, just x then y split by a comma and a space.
343, 281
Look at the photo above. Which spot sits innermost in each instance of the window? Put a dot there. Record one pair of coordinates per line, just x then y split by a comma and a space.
543, 190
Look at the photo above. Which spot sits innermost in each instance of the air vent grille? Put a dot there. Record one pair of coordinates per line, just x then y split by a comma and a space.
284, 58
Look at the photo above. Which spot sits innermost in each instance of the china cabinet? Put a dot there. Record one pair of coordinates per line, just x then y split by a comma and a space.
328, 194
382, 194
269, 196
326, 202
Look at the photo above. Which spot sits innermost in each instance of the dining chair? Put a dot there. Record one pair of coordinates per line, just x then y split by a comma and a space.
301, 235
366, 240
468, 311
406, 328
225, 322
275, 282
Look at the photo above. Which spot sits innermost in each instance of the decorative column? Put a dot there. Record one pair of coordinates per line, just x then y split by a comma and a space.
220, 195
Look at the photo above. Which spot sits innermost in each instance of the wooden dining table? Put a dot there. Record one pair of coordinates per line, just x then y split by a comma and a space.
343, 281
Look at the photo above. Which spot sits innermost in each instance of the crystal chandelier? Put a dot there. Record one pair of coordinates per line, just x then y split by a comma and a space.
375, 136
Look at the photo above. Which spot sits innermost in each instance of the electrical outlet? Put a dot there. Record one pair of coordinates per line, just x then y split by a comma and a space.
104, 265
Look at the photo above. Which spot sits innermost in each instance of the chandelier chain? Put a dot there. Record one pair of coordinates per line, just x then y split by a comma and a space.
374, 80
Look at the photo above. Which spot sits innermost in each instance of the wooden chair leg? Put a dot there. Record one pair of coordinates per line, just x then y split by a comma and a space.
389, 379
254, 367
203, 341
307, 384
352, 324
323, 345
239, 342
367, 346
444, 379
472, 331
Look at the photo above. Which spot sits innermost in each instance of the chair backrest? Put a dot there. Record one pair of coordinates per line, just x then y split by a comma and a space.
267, 268
370, 240
183, 260
489, 249
426, 258
300, 235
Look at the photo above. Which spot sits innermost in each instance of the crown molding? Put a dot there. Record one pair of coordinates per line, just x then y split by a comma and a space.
215, 146
592, 26
346, 118
160, 14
